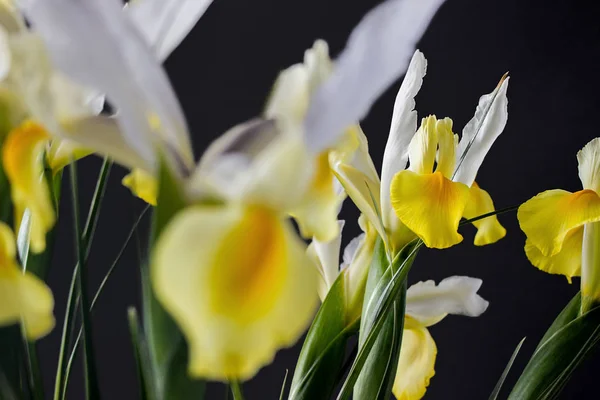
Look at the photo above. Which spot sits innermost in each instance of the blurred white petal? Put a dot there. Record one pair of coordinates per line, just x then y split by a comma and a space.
165, 23
480, 133
402, 130
377, 53
326, 256
428, 303
351, 250
97, 45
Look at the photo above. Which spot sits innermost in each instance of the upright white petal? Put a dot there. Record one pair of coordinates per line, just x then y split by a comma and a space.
589, 165
377, 53
457, 295
165, 23
480, 133
327, 259
351, 250
97, 45
402, 130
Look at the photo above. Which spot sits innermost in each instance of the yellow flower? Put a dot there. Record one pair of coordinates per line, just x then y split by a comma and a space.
22, 158
562, 228
141, 184
23, 297
426, 305
235, 277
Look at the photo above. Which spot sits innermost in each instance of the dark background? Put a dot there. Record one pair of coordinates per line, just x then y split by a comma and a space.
223, 73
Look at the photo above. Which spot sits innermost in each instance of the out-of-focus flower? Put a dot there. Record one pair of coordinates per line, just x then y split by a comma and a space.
23, 297
426, 305
562, 228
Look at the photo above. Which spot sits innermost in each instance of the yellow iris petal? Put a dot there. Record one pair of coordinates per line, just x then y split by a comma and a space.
23, 297
317, 213
22, 157
142, 185
489, 229
548, 217
62, 152
430, 205
417, 362
239, 284
566, 262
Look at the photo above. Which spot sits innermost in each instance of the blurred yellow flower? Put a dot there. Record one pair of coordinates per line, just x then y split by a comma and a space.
23, 297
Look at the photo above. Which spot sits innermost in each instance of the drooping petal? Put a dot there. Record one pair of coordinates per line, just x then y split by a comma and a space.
566, 262
165, 23
23, 161
402, 129
590, 260
105, 51
489, 229
142, 184
480, 133
61, 152
23, 297
326, 256
548, 217
429, 303
238, 283
377, 53
430, 205
589, 165
416, 366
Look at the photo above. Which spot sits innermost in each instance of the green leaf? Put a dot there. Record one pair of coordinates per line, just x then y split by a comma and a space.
567, 343
167, 345
379, 371
236, 390
498, 386
142, 357
322, 354
383, 306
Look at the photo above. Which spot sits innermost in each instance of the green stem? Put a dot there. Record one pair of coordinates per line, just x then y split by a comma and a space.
72, 300
91, 380
236, 390
490, 214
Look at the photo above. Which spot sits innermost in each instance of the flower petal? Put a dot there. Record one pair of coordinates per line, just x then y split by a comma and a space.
165, 23
142, 185
430, 205
22, 158
377, 53
326, 257
416, 366
481, 131
23, 297
548, 217
489, 229
105, 51
402, 129
239, 284
429, 304
61, 152
566, 262
589, 165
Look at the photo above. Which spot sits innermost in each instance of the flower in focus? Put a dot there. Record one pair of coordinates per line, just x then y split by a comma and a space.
426, 305
23, 297
422, 201
562, 228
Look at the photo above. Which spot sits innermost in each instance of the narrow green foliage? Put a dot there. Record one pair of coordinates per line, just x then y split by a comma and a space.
282, 393
142, 357
378, 373
382, 307
236, 389
498, 387
570, 339
322, 354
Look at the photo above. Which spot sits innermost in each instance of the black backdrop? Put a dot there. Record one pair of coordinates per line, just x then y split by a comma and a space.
223, 73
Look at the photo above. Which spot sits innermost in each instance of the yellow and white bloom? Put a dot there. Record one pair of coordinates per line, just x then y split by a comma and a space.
426, 305
23, 297
421, 200
562, 228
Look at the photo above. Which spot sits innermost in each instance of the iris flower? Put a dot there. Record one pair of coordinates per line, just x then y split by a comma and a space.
426, 305
422, 200
232, 272
562, 227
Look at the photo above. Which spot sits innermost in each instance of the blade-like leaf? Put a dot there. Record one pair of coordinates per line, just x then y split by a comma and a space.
322, 354
142, 358
378, 373
561, 352
498, 387
381, 309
